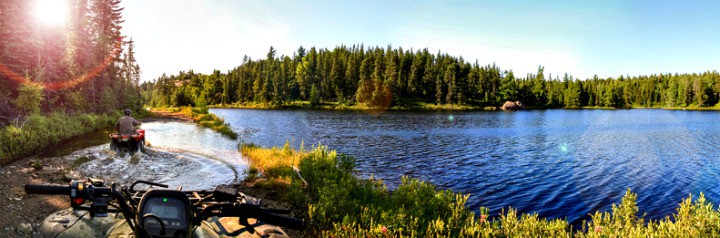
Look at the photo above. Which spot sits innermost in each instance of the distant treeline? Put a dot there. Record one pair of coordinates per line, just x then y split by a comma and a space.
83, 66
382, 77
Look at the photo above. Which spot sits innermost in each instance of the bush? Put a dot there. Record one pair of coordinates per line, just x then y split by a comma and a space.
42, 131
338, 204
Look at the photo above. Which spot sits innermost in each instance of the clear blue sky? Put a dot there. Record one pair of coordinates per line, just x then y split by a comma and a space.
581, 38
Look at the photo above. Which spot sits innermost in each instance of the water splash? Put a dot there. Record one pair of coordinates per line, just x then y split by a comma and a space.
174, 169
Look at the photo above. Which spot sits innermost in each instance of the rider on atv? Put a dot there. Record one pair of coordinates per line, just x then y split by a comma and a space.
127, 137
126, 124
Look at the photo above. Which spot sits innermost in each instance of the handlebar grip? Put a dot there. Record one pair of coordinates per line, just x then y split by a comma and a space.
47, 189
278, 220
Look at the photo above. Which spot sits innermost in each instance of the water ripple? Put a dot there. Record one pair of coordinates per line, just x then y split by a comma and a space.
558, 163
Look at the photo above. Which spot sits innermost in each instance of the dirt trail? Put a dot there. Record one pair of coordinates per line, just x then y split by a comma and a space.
23, 213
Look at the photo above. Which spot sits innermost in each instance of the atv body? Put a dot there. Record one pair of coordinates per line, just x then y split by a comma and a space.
130, 143
111, 211
77, 223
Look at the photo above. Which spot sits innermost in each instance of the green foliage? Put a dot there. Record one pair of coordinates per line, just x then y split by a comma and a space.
314, 96
30, 96
252, 173
385, 77
43, 131
374, 94
338, 204
85, 65
35, 164
209, 120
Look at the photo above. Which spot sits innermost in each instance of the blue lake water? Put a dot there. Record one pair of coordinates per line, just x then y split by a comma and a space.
558, 163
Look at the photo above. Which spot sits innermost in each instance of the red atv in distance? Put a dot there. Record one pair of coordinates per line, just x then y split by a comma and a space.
128, 142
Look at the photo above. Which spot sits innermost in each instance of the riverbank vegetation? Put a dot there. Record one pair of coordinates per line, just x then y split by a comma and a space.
356, 77
39, 132
209, 120
202, 117
60, 81
338, 204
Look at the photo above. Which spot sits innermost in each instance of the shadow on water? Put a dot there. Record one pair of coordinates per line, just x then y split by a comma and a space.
86, 140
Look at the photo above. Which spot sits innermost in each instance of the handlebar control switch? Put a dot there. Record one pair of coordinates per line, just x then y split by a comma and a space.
78, 193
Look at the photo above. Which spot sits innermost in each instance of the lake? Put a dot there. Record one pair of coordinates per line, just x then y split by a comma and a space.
558, 163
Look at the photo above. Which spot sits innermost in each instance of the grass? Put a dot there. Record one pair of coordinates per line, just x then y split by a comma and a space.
338, 204
205, 119
274, 162
209, 120
41, 132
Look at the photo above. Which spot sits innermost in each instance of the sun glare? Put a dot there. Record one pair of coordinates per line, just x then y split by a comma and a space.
51, 12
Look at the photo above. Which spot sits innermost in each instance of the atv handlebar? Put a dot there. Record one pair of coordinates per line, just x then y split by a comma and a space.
274, 219
252, 211
50, 189
222, 202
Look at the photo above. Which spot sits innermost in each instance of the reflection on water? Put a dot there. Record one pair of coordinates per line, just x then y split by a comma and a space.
558, 163
93, 138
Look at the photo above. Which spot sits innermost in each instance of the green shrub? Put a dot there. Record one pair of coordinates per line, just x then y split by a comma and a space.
42, 131
35, 164
338, 204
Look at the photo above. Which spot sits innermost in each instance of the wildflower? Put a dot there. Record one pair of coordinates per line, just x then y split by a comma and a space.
598, 228
483, 217
383, 229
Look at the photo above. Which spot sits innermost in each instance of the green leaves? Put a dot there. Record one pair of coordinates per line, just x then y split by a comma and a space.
338, 204
30, 95
42, 131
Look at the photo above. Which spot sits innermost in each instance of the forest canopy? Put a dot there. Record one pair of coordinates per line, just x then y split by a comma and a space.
84, 65
382, 77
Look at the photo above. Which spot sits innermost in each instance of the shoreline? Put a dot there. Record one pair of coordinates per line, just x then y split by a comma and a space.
302, 105
199, 116
164, 115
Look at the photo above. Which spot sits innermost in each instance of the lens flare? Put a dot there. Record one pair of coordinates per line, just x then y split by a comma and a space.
451, 118
51, 12
564, 148
69, 83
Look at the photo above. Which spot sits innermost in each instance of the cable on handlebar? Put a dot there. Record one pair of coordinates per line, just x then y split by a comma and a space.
132, 186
